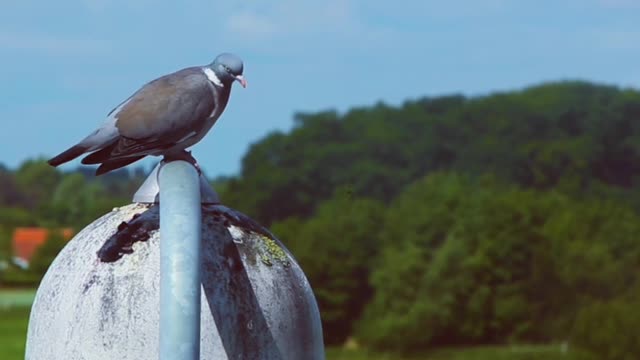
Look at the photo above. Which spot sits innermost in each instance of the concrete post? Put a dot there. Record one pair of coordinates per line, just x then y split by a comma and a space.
100, 299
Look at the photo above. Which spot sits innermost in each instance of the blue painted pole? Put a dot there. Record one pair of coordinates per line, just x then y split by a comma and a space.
180, 232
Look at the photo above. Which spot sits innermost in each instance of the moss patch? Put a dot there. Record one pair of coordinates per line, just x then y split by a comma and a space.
273, 252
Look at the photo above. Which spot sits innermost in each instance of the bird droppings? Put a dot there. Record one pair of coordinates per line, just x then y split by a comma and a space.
256, 243
139, 228
236, 233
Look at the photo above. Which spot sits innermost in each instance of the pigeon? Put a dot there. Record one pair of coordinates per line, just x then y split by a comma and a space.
162, 118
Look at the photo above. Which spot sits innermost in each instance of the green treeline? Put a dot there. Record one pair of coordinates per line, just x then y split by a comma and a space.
577, 137
512, 217
38, 195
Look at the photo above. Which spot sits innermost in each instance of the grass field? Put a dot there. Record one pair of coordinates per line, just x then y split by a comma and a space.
533, 352
14, 317
10, 298
13, 332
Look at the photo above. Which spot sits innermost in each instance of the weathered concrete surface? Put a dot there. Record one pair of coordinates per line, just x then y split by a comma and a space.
100, 297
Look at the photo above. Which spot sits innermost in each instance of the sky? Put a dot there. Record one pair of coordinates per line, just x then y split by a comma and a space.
65, 64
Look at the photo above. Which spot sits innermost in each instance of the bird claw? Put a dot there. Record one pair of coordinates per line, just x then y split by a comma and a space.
185, 156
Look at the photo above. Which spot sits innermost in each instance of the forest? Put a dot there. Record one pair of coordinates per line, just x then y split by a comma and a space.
512, 217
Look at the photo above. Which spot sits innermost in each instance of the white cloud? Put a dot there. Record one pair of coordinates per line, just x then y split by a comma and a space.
306, 26
291, 17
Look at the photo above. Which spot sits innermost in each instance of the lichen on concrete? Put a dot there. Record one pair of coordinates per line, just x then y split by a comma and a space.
251, 238
274, 251
257, 246
265, 260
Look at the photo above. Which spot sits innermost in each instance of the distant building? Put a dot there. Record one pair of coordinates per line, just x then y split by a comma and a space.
26, 242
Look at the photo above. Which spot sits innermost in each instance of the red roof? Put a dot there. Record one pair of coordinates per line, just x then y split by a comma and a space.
27, 240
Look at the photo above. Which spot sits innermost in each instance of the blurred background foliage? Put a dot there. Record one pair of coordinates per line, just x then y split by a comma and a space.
446, 221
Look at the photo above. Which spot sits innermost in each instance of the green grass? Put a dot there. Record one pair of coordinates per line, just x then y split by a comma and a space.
15, 305
14, 317
13, 332
10, 298
528, 352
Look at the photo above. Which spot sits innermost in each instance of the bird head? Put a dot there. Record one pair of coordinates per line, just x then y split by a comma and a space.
228, 68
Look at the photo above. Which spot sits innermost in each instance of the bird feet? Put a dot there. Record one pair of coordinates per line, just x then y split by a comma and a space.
183, 155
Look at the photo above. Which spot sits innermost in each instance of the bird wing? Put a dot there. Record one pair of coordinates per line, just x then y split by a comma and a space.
161, 114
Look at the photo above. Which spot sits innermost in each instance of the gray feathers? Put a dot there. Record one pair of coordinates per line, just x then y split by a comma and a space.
166, 116
67, 155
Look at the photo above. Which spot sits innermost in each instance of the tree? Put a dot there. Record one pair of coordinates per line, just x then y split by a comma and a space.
573, 136
5, 244
10, 192
609, 329
47, 252
336, 249
478, 261
36, 179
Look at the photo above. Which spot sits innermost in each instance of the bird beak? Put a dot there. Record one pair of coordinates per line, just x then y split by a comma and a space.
241, 80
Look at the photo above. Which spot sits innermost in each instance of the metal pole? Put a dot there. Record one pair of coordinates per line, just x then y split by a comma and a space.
180, 232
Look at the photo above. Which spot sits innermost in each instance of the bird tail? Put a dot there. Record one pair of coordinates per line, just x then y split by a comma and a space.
100, 156
116, 164
67, 155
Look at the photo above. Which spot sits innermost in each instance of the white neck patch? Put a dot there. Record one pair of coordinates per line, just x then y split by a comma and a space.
212, 76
